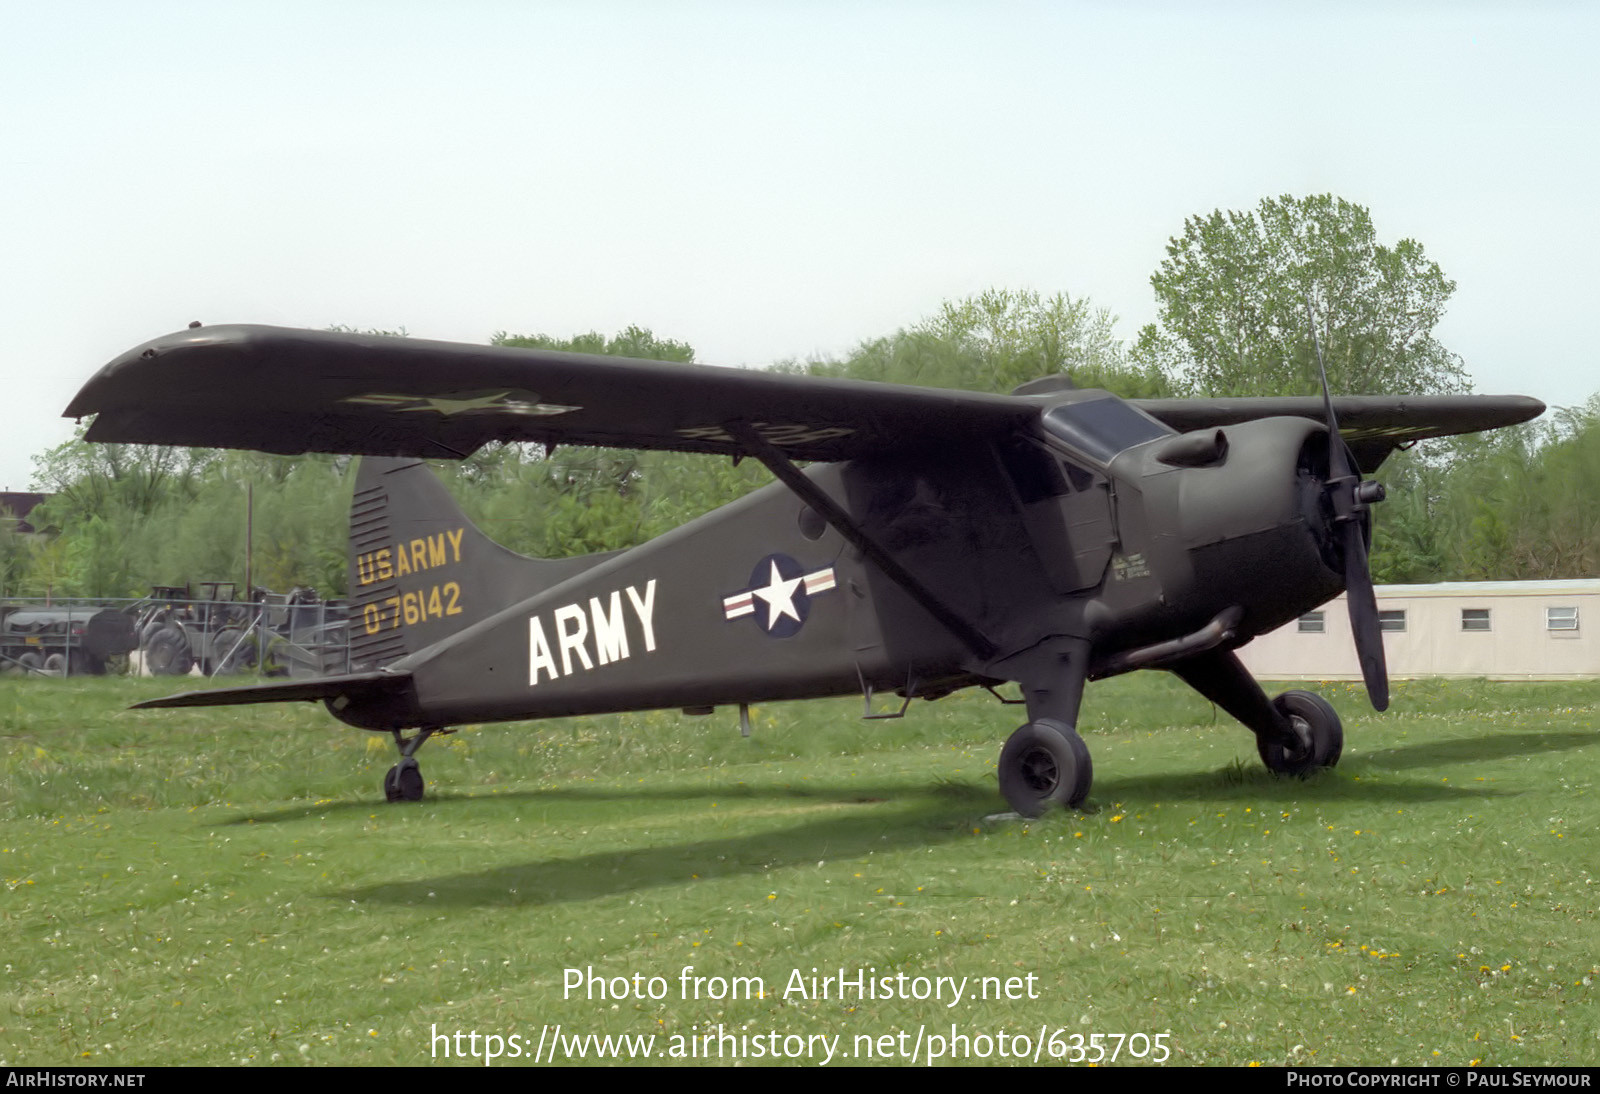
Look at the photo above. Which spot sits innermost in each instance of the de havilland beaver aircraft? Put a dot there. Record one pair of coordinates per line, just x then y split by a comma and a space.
938, 540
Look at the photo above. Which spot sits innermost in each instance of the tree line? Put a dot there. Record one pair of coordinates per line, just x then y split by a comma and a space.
1238, 295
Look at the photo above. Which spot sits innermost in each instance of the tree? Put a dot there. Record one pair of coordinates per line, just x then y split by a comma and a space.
581, 499
1407, 545
14, 557
85, 478
1233, 294
1569, 490
999, 339
591, 481
637, 342
1525, 502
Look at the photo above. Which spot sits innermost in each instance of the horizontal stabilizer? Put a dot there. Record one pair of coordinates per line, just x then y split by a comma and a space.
358, 687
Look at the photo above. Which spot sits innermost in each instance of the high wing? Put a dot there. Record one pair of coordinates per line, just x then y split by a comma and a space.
275, 389
289, 391
1372, 425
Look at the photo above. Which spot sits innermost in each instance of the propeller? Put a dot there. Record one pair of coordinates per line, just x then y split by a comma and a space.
1350, 499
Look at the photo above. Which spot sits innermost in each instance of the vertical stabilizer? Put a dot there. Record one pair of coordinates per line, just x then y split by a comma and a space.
420, 570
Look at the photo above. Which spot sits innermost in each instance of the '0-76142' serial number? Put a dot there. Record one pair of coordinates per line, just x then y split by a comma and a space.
419, 606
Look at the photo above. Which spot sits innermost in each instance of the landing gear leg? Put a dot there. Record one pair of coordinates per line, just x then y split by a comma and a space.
1296, 733
404, 781
1045, 763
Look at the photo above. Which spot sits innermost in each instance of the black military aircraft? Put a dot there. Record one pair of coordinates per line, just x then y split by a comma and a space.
940, 539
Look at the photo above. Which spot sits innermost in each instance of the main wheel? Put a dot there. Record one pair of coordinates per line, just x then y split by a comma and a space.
166, 653
1320, 722
1045, 763
404, 782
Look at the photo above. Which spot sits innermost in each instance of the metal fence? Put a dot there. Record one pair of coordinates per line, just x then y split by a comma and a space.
274, 635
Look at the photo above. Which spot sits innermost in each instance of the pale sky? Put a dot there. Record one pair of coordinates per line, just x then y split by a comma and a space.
763, 181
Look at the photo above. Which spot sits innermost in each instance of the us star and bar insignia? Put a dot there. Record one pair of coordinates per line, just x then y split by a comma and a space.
451, 403
784, 588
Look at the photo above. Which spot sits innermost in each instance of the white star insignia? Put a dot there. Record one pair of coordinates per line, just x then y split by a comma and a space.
446, 405
449, 404
779, 595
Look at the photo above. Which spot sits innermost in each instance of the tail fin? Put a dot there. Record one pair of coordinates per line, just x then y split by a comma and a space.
420, 570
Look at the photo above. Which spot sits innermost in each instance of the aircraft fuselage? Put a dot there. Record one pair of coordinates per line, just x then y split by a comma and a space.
763, 600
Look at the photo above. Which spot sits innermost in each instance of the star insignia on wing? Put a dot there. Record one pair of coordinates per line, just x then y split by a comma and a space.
451, 403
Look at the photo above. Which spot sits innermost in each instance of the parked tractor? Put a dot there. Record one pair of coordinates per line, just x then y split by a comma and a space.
279, 633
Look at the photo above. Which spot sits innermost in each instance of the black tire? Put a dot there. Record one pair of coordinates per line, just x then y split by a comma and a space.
31, 662
55, 664
1322, 724
404, 782
167, 652
1044, 764
232, 652
275, 659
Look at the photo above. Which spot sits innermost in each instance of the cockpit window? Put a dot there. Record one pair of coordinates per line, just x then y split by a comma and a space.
1102, 428
1035, 472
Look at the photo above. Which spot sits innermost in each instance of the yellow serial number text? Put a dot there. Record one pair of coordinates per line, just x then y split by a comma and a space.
412, 608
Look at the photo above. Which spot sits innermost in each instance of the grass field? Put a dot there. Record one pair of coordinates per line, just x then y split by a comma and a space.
227, 886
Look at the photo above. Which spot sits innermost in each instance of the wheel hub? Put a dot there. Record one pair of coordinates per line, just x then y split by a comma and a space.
1040, 770
1302, 736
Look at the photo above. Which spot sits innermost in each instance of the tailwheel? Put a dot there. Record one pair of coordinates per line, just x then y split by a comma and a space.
1045, 763
404, 782
1316, 724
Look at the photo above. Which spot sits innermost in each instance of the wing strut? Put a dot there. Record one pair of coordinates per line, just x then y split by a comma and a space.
835, 514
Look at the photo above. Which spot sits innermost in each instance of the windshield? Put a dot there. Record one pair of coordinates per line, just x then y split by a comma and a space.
1102, 428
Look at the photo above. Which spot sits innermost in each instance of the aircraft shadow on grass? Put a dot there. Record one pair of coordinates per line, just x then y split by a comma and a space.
1487, 747
935, 818
973, 795
940, 815
1251, 786
1182, 786
1359, 776
910, 818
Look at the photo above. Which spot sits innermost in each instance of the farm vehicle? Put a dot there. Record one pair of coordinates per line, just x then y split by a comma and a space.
80, 640
294, 633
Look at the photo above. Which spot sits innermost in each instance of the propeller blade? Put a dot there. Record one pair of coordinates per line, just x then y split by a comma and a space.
1363, 604
1349, 498
1338, 459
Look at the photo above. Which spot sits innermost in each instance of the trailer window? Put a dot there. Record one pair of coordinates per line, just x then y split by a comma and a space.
1561, 619
1474, 619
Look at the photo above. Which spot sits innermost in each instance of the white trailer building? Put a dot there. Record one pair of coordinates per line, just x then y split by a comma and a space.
1503, 630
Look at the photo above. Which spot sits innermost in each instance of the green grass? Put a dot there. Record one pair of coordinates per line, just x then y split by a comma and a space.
227, 885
